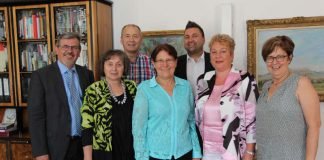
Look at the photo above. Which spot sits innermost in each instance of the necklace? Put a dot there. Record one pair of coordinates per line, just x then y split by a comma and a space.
283, 79
114, 97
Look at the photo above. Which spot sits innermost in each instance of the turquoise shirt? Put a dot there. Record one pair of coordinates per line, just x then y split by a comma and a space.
164, 125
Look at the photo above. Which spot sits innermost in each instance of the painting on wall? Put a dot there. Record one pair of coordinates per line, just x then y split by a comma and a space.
153, 38
308, 58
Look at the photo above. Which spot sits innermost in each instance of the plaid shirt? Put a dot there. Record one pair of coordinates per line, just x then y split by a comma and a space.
142, 69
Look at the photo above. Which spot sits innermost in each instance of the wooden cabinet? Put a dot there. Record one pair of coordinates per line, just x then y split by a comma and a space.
36, 32
7, 95
3, 150
32, 44
21, 150
16, 147
28, 32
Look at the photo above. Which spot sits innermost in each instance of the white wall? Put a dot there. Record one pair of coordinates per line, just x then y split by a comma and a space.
153, 15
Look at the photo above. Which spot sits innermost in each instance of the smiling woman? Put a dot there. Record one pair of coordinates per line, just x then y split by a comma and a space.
288, 106
226, 105
108, 105
163, 116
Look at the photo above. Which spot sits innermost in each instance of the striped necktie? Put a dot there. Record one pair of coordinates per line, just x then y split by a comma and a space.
75, 103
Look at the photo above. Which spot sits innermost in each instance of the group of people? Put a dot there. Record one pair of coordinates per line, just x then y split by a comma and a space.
165, 106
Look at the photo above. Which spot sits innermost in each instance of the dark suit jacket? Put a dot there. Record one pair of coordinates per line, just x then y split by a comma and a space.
48, 110
181, 70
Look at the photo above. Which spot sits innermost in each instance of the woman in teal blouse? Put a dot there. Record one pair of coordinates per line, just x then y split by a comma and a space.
163, 113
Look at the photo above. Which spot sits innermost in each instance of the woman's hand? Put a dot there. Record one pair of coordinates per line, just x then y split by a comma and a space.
196, 159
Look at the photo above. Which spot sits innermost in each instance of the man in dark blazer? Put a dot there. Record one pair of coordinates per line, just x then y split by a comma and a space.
54, 125
197, 61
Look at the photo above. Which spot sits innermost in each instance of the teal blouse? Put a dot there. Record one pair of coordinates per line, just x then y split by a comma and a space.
164, 125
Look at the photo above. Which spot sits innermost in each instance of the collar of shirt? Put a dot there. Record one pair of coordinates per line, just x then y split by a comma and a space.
138, 56
63, 68
153, 82
201, 58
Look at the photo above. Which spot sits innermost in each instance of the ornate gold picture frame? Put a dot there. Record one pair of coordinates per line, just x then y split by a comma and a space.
308, 36
152, 38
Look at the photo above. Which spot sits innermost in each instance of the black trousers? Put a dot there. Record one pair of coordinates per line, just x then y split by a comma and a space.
75, 151
187, 156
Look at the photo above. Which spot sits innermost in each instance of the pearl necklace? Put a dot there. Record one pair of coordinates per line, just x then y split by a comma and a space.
114, 97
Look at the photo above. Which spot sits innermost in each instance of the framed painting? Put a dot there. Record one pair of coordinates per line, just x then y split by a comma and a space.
153, 38
308, 35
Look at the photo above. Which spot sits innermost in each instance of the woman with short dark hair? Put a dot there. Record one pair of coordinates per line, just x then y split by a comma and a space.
107, 111
163, 116
288, 112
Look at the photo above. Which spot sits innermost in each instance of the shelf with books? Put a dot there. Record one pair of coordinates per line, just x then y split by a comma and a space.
73, 17
93, 20
3, 33
32, 44
6, 70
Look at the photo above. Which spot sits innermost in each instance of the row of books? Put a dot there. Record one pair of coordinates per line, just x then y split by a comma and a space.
32, 25
2, 27
3, 58
71, 19
4, 88
33, 57
83, 59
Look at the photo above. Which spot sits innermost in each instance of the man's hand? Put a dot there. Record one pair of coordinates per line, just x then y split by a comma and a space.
43, 157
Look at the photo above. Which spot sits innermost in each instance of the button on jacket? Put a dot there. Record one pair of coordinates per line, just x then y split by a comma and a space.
164, 125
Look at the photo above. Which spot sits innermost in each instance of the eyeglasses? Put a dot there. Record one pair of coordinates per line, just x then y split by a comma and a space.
161, 61
280, 58
73, 48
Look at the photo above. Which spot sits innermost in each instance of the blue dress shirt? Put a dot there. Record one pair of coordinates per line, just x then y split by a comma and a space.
64, 70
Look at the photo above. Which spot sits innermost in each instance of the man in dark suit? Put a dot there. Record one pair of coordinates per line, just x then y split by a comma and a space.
53, 106
197, 61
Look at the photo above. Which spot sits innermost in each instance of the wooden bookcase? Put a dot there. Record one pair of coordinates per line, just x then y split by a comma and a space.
7, 96
28, 32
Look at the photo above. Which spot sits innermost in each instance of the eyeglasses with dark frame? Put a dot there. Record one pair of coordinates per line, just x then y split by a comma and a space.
279, 58
73, 48
161, 61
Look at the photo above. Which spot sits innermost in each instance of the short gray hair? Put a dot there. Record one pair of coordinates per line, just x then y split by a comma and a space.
67, 35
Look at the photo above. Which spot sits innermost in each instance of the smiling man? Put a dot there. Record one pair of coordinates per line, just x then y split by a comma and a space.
55, 97
141, 67
197, 61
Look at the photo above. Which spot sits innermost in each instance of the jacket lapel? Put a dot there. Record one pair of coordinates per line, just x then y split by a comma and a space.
59, 84
82, 79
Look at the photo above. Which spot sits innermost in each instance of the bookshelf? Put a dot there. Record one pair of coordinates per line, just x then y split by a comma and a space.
32, 43
28, 32
6, 70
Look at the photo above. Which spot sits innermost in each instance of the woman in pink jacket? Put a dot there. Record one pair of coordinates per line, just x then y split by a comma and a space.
225, 106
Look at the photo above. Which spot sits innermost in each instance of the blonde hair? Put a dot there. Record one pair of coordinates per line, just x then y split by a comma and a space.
223, 39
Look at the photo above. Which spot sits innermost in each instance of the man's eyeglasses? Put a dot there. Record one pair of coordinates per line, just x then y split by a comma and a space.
161, 61
280, 58
73, 48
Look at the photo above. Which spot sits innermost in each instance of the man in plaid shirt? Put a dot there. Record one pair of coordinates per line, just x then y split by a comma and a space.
141, 67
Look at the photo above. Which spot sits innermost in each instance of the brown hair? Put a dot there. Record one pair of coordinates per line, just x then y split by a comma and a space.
164, 47
67, 35
113, 52
284, 42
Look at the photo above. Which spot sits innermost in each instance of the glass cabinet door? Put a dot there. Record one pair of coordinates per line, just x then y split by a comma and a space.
32, 41
73, 17
6, 77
